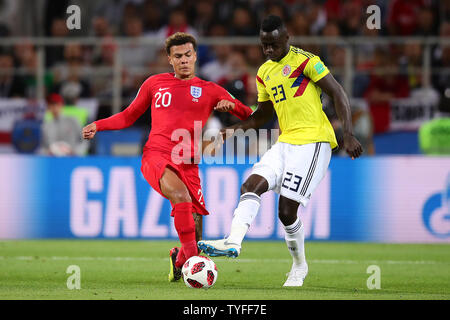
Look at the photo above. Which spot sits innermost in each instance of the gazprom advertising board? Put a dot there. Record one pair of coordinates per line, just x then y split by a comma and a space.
380, 199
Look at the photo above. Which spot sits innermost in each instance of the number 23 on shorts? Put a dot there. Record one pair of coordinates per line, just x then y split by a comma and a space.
291, 181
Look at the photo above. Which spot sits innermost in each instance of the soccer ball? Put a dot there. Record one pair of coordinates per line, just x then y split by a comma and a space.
199, 272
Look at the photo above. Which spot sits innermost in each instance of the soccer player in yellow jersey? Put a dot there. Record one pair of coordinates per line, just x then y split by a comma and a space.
289, 83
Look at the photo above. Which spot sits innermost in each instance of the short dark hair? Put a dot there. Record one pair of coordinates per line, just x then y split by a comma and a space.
271, 23
178, 39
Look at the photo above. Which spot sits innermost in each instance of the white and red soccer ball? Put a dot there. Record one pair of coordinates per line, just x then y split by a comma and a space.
199, 272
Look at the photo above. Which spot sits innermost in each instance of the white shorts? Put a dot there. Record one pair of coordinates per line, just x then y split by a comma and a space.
294, 171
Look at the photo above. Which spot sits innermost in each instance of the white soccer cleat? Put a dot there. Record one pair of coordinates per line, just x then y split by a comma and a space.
219, 248
297, 275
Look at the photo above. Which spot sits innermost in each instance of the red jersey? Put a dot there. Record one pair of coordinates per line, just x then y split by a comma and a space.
177, 108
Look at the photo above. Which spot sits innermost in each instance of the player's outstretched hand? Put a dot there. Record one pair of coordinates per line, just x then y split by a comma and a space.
352, 146
224, 106
89, 131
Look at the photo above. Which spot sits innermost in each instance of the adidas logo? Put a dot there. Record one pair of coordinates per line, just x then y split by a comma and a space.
267, 78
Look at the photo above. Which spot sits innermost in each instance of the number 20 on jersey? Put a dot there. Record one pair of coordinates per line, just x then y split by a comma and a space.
163, 99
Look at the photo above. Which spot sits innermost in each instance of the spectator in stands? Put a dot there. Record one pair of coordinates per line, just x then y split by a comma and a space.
135, 54
224, 11
55, 54
61, 133
277, 8
252, 91
177, 23
444, 31
254, 56
73, 69
112, 11
427, 22
403, 17
11, 85
71, 94
131, 10
51, 10
102, 84
334, 9
101, 27
10, 10
236, 81
441, 81
203, 16
363, 127
411, 64
365, 52
160, 65
242, 23
27, 60
214, 68
361, 121
331, 30
153, 13
364, 61
217, 69
351, 18
4, 31
299, 25
385, 84
72, 81
443, 11
336, 61
317, 17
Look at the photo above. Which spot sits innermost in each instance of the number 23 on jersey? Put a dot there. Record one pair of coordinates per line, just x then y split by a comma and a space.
278, 93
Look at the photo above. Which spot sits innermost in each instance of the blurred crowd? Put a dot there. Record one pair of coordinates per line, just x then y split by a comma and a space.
74, 70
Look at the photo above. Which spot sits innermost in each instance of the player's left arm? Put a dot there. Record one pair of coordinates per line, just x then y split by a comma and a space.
342, 105
228, 103
235, 107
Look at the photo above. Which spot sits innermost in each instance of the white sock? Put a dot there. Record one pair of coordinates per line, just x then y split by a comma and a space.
295, 241
243, 217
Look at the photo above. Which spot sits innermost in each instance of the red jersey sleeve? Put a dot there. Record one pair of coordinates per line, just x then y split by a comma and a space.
240, 110
128, 116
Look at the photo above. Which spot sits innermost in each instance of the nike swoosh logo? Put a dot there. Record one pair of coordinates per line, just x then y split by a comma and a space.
161, 89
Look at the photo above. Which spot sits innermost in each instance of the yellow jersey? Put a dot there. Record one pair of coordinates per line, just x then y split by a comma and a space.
291, 86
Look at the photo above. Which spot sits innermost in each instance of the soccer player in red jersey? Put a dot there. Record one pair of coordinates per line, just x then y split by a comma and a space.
178, 101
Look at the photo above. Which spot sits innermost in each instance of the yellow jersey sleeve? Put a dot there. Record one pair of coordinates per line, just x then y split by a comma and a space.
316, 69
263, 95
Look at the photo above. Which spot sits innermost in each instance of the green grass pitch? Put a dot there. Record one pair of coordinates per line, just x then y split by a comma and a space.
123, 269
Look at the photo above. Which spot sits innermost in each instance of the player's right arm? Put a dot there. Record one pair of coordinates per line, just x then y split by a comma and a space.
263, 114
125, 118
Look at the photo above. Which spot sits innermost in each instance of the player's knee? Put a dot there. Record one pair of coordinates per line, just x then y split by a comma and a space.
287, 211
179, 196
286, 217
254, 184
245, 188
